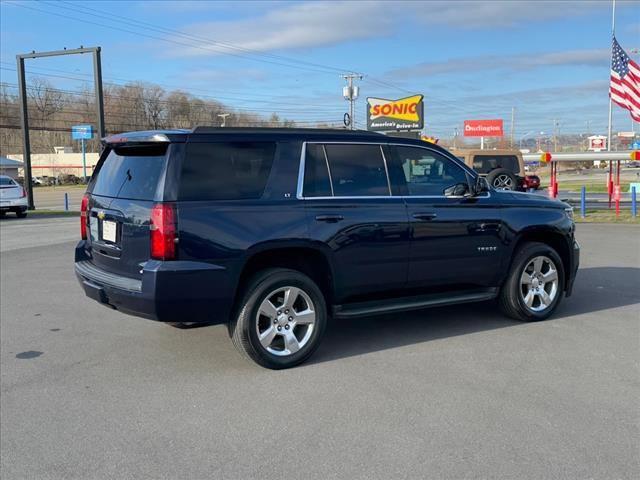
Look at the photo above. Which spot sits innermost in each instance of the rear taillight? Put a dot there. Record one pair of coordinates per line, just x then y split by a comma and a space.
163, 231
84, 218
24, 193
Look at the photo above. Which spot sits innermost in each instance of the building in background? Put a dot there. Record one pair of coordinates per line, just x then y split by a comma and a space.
10, 167
62, 162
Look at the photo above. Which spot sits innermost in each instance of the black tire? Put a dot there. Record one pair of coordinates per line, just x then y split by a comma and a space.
511, 299
21, 214
2, 214
243, 330
495, 177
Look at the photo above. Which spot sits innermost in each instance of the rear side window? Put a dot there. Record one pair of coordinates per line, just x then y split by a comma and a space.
316, 172
486, 163
130, 172
226, 171
357, 170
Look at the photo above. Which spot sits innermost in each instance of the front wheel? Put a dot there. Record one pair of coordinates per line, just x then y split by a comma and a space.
282, 317
535, 283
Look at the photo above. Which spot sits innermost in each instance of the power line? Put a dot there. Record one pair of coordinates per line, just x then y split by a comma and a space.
154, 37
197, 96
327, 69
138, 23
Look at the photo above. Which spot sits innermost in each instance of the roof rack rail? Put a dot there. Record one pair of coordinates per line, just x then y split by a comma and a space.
306, 131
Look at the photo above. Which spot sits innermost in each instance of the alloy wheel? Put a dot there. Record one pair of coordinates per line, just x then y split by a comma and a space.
539, 283
503, 182
285, 321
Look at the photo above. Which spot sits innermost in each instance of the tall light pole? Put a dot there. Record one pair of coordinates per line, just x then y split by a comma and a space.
350, 93
556, 133
224, 116
513, 120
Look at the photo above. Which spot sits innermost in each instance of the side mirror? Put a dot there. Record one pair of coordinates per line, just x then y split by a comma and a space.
481, 186
457, 190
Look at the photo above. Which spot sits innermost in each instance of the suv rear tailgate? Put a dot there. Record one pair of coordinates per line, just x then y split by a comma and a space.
127, 183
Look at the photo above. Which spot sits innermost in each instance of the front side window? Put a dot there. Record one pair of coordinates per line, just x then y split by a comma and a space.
357, 170
226, 170
486, 163
429, 173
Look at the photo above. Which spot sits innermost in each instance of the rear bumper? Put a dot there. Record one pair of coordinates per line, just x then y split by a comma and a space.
13, 205
177, 291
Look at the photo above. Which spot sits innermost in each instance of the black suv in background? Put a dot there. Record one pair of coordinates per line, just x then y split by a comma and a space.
274, 230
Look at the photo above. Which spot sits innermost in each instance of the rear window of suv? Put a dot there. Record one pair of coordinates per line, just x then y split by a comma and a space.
226, 170
130, 172
486, 163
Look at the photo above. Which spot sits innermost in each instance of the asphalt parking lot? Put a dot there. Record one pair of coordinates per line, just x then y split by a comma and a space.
456, 392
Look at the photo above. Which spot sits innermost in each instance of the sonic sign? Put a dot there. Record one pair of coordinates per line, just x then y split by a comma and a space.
392, 115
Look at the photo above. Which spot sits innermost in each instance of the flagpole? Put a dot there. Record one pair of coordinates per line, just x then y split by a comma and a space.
613, 32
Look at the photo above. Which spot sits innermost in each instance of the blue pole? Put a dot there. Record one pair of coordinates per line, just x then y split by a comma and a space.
66, 202
583, 201
634, 205
84, 163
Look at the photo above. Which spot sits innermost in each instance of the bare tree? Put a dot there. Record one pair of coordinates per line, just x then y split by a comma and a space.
154, 106
46, 100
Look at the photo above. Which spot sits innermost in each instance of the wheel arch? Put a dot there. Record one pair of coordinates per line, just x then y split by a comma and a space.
308, 258
551, 237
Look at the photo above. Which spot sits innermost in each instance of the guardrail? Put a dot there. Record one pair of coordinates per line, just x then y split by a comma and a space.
581, 156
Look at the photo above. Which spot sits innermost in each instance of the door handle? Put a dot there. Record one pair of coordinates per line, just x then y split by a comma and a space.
425, 216
329, 218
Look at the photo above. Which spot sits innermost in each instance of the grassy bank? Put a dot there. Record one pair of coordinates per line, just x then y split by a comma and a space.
606, 216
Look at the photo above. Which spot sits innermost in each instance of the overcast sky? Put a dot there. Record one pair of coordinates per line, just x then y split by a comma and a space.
549, 60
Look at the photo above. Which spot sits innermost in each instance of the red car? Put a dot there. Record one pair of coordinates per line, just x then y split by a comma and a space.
531, 181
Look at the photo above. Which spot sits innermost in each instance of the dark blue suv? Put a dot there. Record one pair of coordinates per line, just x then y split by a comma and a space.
274, 230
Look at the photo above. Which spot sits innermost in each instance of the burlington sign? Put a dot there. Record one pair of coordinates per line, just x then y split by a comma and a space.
391, 115
483, 128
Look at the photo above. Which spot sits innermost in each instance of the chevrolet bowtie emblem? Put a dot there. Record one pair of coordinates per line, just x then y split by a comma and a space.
101, 215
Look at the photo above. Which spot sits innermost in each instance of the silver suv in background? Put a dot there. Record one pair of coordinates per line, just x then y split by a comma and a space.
13, 197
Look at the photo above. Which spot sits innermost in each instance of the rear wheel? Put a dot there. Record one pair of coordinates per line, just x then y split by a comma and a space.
502, 179
281, 319
21, 213
534, 286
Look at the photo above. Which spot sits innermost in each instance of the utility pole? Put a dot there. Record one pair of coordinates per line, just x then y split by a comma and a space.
224, 116
350, 93
556, 132
513, 119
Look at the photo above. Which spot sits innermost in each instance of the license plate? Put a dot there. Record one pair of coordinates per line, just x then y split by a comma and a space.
109, 231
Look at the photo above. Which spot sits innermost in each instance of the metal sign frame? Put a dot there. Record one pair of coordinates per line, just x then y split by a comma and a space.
24, 113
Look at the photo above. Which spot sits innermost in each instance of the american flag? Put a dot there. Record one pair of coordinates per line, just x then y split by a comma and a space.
625, 81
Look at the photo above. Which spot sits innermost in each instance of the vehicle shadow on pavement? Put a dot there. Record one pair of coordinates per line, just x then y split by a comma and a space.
596, 289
